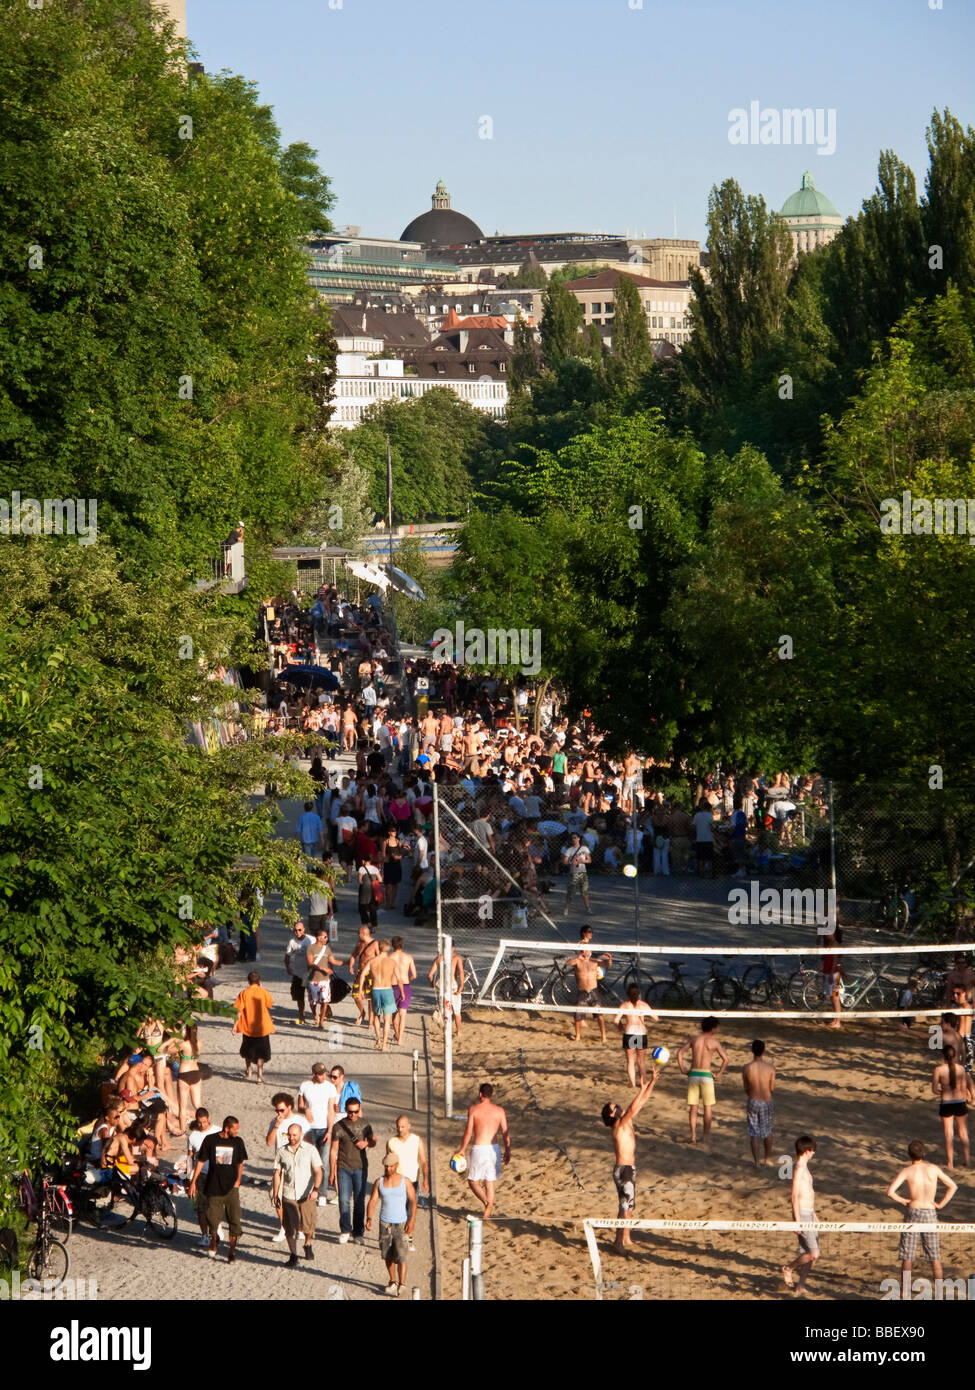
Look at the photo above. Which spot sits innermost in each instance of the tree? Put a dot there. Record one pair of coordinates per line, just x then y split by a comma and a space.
118, 837
632, 354
301, 176
741, 305
561, 326
524, 363
435, 440
529, 276
575, 271
948, 208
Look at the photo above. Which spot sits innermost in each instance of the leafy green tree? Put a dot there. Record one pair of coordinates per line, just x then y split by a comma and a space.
435, 439
741, 304
301, 176
117, 834
575, 271
632, 354
524, 363
527, 277
948, 207
561, 326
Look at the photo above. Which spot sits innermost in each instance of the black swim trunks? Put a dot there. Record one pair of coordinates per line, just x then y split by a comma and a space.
953, 1107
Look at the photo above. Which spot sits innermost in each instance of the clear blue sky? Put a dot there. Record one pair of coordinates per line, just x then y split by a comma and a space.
604, 117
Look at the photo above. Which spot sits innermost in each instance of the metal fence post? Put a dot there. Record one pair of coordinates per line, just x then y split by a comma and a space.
475, 1233
448, 1032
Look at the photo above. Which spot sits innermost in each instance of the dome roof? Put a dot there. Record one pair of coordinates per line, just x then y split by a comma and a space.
807, 202
442, 225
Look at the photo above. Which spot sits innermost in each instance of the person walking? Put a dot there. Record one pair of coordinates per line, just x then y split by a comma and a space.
404, 974
318, 963
295, 1187
397, 1219
296, 966
317, 1100
484, 1121
309, 829
224, 1156
352, 1139
804, 1214
411, 1152
255, 1025
953, 1087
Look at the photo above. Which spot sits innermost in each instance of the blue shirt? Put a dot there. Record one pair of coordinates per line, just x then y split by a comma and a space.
309, 828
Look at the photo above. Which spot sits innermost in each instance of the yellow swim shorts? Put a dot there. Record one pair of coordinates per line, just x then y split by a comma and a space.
700, 1088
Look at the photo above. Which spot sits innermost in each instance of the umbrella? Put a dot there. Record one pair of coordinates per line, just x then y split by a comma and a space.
403, 584
550, 827
372, 574
309, 675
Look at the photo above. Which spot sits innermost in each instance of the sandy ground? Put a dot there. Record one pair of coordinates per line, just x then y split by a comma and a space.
863, 1093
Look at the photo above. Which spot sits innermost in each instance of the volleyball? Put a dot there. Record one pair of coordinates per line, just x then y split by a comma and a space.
600, 972
459, 1163
660, 1055
629, 870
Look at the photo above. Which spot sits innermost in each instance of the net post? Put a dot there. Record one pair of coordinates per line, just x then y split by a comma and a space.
597, 1267
448, 1034
416, 1079
466, 1287
475, 1244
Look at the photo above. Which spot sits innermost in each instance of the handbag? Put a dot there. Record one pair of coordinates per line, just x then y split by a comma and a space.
378, 893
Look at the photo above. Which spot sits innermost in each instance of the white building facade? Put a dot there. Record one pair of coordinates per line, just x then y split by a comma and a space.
362, 381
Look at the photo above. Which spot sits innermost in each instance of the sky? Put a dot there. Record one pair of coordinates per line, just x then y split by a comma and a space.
603, 115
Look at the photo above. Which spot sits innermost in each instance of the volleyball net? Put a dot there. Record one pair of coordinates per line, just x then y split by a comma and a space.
785, 982
683, 1260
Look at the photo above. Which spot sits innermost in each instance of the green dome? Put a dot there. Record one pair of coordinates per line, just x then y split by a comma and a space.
807, 202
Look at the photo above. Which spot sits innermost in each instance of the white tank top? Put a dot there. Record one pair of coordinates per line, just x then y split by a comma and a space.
409, 1155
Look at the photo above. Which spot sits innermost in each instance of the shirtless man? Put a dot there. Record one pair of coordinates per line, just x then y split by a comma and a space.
631, 780
624, 1148
587, 979
484, 1120
961, 999
961, 974
700, 1085
452, 1004
803, 1211
631, 1021
950, 1034
402, 988
366, 947
922, 1180
758, 1080
380, 973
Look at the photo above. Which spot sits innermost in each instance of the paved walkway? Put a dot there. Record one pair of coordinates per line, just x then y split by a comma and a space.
127, 1264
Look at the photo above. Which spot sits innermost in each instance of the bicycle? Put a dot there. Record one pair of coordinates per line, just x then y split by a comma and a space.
48, 1258
762, 985
560, 986
893, 910
873, 988
720, 990
151, 1200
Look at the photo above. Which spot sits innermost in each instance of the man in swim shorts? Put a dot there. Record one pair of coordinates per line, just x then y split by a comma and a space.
404, 973
922, 1180
758, 1079
804, 1213
624, 1149
700, 1084
381, 971
484, 1120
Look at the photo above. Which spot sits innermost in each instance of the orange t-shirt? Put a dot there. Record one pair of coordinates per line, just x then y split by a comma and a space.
254, 1005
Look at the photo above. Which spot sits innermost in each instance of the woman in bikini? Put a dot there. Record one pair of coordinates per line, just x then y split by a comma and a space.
153, 1034
190, 1078
953, 1086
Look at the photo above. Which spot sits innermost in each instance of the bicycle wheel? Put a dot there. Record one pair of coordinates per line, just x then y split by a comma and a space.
48, 1259
60, 1216
511, 989
814, 995
660, 994
565, 988
797, 983
720, 992
757, 985
160, 1212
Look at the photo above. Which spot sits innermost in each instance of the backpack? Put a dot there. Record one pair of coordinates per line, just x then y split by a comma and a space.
350, 1091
